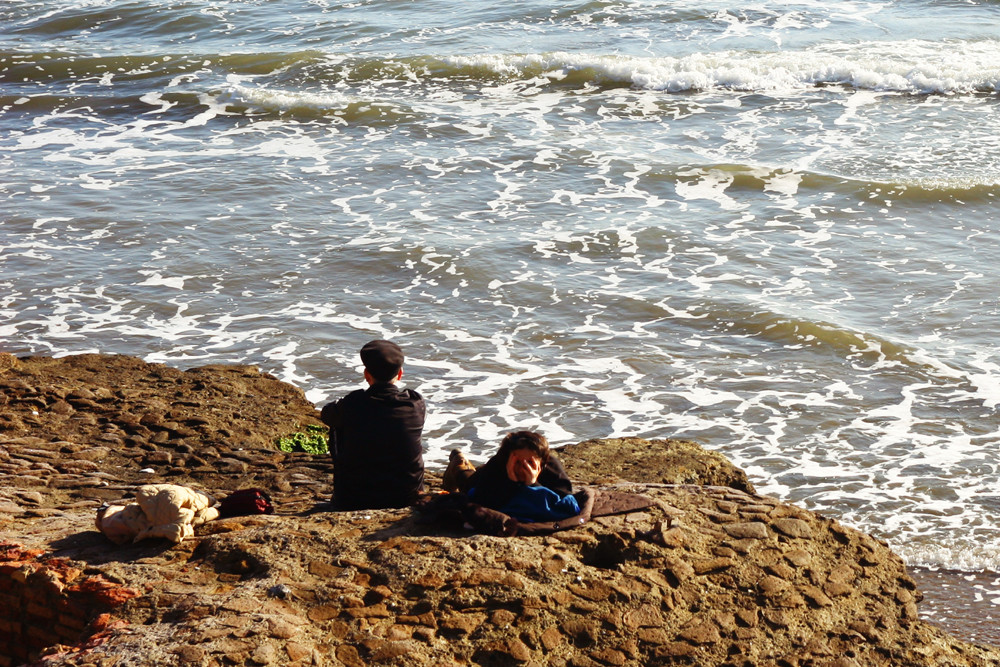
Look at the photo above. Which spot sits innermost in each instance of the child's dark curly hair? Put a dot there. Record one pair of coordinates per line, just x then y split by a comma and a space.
529, 440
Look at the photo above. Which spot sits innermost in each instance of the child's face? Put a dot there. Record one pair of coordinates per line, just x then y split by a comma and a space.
524, 465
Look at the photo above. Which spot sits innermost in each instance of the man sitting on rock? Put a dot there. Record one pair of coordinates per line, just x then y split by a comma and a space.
375, 436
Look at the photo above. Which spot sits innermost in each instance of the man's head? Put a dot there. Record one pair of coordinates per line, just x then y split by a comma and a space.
524, 453
383, 361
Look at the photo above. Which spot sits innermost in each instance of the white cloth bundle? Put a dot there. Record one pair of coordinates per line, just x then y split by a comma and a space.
161, 510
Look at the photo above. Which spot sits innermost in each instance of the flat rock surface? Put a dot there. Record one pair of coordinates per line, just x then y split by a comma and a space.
711, 574
612, 460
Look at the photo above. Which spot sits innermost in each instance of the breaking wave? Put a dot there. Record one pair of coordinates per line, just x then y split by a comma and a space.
906, 67
915, 67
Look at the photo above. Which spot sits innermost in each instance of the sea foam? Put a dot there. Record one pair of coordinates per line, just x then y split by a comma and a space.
908, 66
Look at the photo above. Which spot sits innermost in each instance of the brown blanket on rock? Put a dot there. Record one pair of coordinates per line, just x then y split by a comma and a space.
456, 509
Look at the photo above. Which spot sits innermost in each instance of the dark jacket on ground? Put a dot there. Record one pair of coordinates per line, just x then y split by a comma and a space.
494, 488
375, 445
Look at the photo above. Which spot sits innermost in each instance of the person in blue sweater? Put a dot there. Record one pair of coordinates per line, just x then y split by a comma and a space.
524, 480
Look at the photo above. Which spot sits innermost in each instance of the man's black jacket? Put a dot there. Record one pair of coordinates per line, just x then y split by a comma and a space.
375, 445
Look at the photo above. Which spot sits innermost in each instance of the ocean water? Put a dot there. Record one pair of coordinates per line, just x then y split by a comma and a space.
770, 227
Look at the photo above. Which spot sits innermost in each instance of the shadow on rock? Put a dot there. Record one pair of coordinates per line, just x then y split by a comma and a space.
95, 549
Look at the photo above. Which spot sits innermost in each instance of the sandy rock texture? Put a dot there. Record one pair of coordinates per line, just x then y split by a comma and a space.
108, 422
610, 460
711, 574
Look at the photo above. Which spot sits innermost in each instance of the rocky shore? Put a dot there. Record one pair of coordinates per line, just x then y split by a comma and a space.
712, 574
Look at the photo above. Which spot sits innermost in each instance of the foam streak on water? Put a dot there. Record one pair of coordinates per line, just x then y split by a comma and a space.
767, 227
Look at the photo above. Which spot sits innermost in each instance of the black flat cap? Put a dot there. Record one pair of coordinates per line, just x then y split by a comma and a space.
382, 358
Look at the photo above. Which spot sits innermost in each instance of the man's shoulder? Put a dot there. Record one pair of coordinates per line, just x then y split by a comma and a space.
356, 395
411, 394
376, 396
337, 406
391, 392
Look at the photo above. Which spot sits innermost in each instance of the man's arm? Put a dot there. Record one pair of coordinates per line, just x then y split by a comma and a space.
331, 416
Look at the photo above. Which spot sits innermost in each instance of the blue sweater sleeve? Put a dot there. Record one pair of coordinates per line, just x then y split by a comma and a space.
538, 503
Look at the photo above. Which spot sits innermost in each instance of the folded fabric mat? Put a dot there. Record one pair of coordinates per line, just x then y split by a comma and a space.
456, 510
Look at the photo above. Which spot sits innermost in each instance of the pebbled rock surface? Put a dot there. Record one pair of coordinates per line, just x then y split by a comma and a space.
713, 574
89, 426
610, 460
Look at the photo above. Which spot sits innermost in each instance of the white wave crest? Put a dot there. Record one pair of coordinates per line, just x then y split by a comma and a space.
910, 66
953, 554
284, 100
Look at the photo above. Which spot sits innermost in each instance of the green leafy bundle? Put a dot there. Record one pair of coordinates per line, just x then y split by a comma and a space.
313, 440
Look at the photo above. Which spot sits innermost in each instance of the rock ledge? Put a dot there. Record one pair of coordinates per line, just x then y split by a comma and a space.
712, 574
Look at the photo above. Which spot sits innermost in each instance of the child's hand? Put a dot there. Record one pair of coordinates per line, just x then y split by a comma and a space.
523, 465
